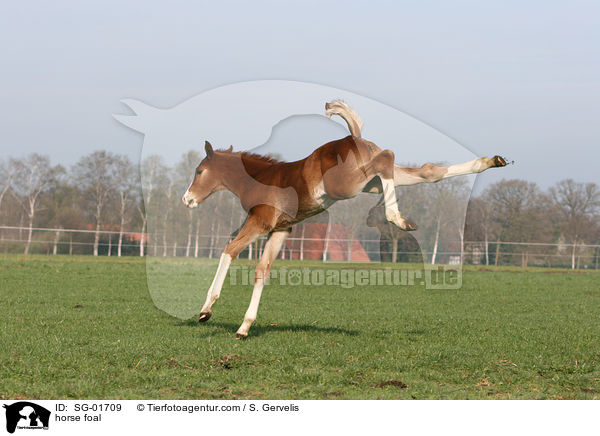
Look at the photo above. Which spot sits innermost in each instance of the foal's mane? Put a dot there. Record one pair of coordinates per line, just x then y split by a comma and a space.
255, 157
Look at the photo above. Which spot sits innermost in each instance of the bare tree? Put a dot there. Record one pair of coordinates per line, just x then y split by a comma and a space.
480, 224
7, 172
170, 201
326, 243
33, 175
446, 209
62, 209
96, 174
301, 253
184, 172
577, 204
153, 173
125, 183
520, 212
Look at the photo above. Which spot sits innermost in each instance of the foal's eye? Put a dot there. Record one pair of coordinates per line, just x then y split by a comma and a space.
198, 172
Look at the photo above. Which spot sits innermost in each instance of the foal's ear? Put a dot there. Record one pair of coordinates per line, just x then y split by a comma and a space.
230, 149
209, 150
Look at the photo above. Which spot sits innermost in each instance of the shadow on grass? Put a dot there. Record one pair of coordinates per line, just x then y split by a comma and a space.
258, 330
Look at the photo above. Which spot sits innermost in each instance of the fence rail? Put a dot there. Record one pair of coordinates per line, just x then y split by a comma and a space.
576, 256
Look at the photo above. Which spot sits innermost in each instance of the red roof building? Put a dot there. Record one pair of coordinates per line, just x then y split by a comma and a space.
342, 244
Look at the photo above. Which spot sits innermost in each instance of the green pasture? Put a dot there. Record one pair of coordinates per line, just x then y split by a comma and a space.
84, 327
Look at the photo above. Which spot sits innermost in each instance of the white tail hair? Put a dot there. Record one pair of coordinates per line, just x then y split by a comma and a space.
341, 108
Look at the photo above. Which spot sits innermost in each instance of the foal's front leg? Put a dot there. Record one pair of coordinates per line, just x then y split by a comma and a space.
248, 234
215, 287
272, 247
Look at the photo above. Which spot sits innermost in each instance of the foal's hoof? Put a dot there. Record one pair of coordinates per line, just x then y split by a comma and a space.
205, 316
402, 223
498, 161
241, 335
409, 225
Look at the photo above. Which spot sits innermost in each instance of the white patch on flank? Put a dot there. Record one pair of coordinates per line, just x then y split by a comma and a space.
319, 193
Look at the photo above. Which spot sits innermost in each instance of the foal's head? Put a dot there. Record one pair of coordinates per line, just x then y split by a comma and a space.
207, 178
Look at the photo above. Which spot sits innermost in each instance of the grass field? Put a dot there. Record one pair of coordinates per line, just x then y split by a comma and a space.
87, 328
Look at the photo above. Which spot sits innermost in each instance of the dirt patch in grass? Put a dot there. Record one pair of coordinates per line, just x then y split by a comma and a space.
395, 383
17, 397
175, 364
484, 382
228, 361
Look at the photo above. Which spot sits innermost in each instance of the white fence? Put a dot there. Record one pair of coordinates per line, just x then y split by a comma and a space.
77, 241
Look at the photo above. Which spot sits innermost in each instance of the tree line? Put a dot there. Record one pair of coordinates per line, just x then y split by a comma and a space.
101, 193
563, 221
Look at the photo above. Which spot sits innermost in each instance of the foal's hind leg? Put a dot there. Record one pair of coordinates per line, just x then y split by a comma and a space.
392, 213
431, 173
347, 179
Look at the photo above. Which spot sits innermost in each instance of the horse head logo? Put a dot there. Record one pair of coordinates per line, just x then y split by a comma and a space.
26, 414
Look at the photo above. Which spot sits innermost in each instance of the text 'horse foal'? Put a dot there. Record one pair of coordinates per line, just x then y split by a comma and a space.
276, 195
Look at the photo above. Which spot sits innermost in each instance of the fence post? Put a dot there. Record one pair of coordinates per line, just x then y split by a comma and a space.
350, 251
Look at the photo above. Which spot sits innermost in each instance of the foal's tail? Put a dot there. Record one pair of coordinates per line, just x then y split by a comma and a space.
338, 107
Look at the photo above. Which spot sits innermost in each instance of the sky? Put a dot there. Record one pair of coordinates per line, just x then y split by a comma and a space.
520, 79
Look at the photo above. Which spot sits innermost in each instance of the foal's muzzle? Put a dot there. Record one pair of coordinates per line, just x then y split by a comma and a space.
188, 200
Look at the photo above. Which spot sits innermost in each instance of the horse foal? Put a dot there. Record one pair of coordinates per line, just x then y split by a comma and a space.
276, 195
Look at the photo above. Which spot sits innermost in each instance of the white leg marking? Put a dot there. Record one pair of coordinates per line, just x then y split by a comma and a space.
389, 196
215, 288
252, 311
471, 167
405, 178
392, 213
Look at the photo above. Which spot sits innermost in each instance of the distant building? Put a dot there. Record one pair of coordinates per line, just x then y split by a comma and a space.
341, 243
